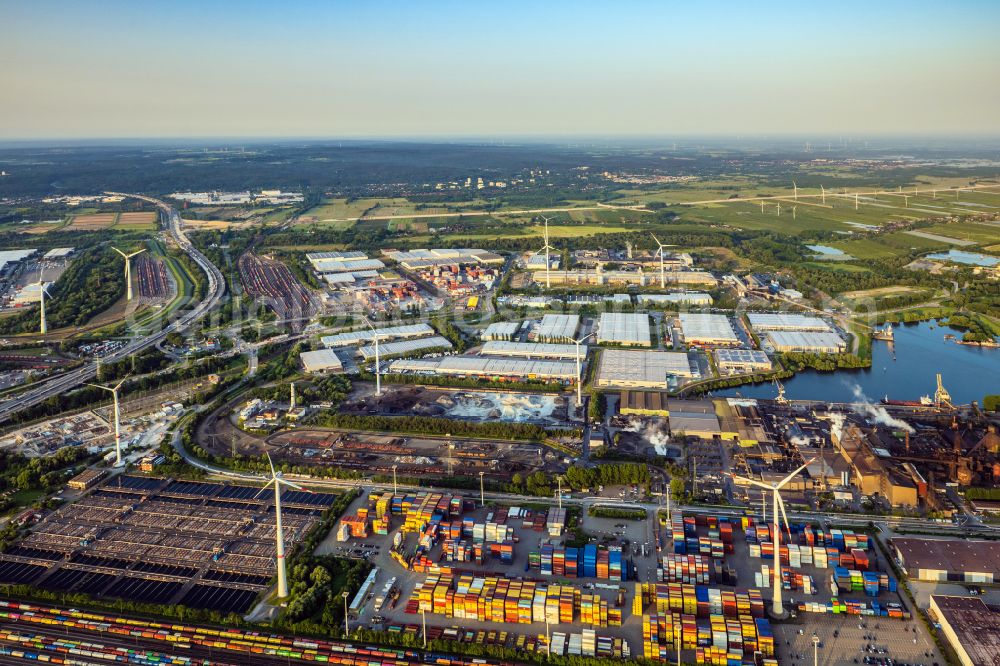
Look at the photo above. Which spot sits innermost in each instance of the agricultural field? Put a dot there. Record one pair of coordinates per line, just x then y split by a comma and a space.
92, 221
881, 292
140, 221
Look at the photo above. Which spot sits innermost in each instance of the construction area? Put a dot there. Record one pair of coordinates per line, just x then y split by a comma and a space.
413, 456
465, 405
201, 545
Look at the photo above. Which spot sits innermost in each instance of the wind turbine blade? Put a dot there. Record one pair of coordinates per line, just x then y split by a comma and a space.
781, 505
274, 475
291, 484
99, 386
752, 482
119, 385
119, 252
261, 491
657, 240
794, 474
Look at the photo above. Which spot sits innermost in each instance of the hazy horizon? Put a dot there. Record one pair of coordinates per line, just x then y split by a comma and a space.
313, 70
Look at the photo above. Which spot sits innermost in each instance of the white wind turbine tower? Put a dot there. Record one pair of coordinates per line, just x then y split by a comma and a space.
547, 247
118, 431
43, 291
795, 189
128, 270
579, 374
823, 190
663, 274
279, 534
777, 608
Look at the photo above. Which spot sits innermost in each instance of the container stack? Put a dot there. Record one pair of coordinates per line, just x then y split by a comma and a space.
697, 600
690, 569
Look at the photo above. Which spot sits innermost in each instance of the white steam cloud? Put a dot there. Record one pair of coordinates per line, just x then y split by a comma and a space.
877, 413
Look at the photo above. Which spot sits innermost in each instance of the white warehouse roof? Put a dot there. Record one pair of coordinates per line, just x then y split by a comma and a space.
366, 335
558, 327
323, 360
710, 328
481, 366
784, 321
624, 328
807, 341
641, 369
389, 349
532, 350
500, 330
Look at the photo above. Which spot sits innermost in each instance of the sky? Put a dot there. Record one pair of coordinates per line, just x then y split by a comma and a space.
328, 69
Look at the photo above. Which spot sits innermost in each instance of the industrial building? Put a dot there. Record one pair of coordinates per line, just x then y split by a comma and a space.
971, 627
694, 418
11, 258
501, 330
532, 350
321, 361
679, 297
784, 321
598, 276
366, 335
58, 253
943, 560
707, 329
621, 368
739, 361
499, 369
643, 403
624, 328
403, 347
806, 341
342, 262
88, 478
421, 259
556, 328
870, 473
537, 261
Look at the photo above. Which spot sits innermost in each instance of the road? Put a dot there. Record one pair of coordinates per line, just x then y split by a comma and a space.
62, 383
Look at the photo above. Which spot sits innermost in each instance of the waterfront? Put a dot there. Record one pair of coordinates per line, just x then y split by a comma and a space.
921, 351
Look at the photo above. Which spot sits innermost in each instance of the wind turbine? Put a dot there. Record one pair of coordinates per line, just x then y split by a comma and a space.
547, 247
779, 209
793, 211
795, 189
663, 275
118, 431
777, 609
823, 189
579, 376
128, 270
855, 201
43, 291
279, 536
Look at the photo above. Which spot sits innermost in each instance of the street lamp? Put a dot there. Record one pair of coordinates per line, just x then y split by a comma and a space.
559, 481
347, 627
395, 490
482, 491
378, 365
815, 640
423, 617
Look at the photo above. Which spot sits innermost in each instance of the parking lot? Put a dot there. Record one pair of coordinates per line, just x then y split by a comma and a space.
855, 640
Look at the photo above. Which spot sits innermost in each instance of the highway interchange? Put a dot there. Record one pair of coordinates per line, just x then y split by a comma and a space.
59, 384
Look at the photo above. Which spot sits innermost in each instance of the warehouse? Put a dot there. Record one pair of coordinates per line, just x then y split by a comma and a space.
532, 350
489, 368
783, 321
601, 277
366, 335
707, 329
806, 341
420, 259
737, 361
501, 330
556, 328
948, 559
58, 253
971, 627
321, 361
680, 297
620, 368
404, 347
342, 262
624, 328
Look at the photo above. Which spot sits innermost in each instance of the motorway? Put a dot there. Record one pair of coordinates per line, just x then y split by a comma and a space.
62, 383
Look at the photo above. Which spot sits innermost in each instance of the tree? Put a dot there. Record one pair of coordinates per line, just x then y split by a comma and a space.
677, 490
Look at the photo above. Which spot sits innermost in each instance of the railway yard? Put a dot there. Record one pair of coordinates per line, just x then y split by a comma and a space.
274, 283
202, 545
412, 456
155, 283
